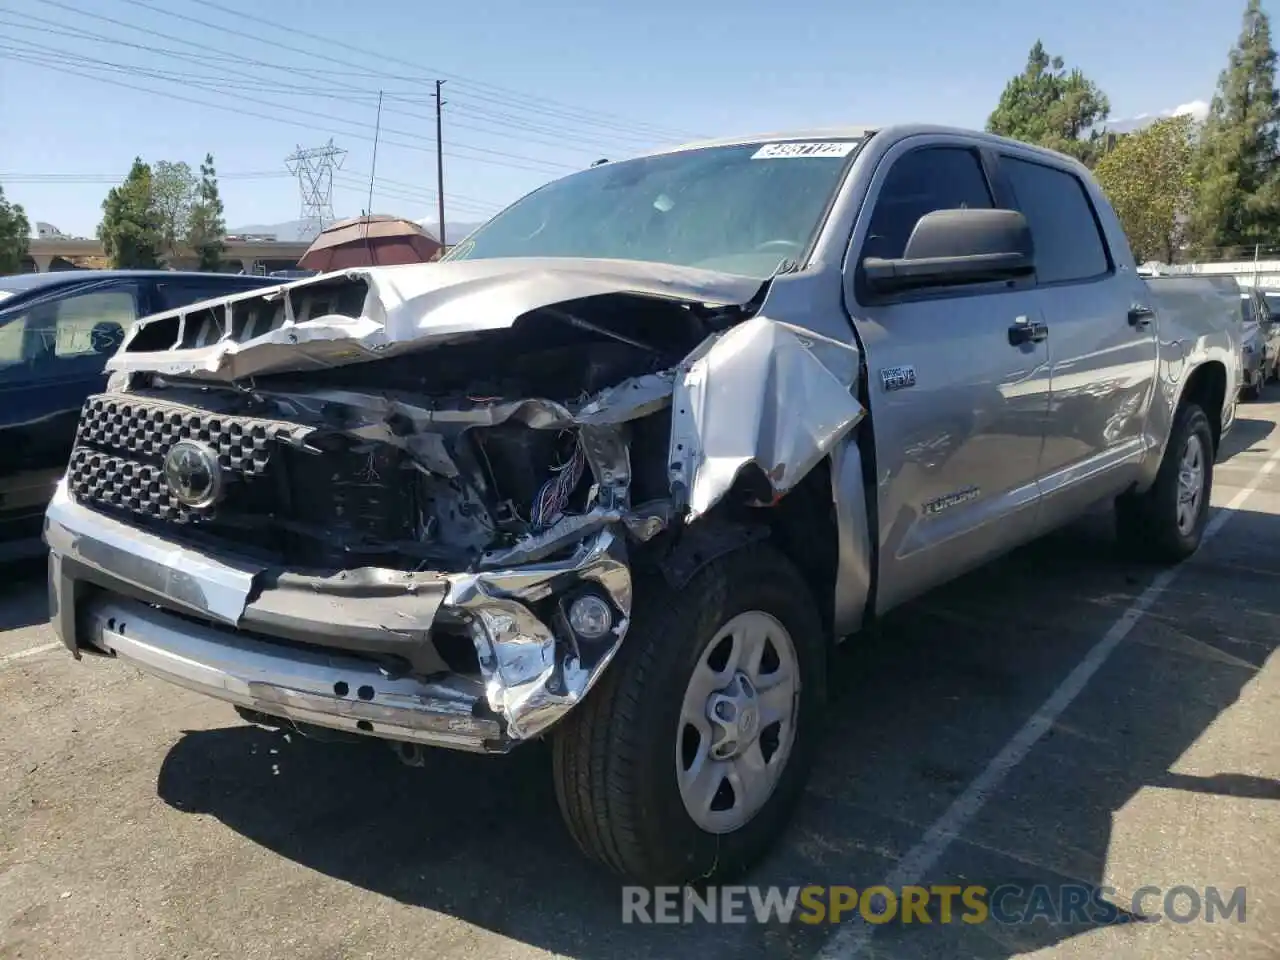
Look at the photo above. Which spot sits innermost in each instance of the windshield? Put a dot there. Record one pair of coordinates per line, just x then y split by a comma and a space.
1246, 310
739, 209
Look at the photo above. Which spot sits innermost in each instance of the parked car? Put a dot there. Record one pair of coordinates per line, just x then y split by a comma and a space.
1258, 343
1271, 300
56, 332
621, 467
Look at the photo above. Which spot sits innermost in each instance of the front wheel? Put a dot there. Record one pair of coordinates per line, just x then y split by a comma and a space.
1166, 523
686, 761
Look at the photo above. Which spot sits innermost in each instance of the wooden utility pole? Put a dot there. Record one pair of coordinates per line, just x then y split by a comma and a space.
440, 166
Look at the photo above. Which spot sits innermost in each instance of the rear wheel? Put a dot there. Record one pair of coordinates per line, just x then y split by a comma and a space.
686, 760
1166, 523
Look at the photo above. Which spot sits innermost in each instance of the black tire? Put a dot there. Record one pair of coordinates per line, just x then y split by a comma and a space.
1147, 523
614, 756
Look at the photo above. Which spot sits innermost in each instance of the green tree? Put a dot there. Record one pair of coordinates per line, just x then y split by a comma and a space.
1053, 107
130, 230
205, 226
15, 235
1237, 200
174, 190
1147, 176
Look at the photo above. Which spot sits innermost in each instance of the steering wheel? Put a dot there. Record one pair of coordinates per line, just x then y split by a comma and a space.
789, 244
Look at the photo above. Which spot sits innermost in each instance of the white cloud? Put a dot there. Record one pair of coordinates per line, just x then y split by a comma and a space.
1198, 109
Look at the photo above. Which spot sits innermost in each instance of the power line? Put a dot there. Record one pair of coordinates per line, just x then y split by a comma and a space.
515, 161
487, 118
186, 79
116, 178
346, 179
400, 190
329, 43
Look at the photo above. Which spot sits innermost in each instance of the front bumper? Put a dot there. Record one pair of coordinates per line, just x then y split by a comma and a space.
299, 685
227, 628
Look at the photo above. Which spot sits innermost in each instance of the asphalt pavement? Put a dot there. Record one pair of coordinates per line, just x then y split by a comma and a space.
1061, 717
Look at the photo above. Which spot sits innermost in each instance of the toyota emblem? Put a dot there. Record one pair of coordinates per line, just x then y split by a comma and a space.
191, 470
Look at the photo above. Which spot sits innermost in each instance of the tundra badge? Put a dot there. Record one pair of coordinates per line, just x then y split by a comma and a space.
950, 500
897, 378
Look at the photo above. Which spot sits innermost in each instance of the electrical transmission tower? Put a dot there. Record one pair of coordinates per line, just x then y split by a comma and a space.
314, 169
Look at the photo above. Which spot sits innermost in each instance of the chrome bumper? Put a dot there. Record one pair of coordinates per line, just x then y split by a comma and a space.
183, 614
305, 686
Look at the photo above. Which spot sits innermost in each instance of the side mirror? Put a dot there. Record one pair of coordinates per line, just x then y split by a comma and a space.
949, 247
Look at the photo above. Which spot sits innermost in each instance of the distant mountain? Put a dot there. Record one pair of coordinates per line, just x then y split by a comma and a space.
293, 229
1196, 109
289, 230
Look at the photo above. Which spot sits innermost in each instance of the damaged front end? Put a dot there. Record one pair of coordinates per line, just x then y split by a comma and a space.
443, 474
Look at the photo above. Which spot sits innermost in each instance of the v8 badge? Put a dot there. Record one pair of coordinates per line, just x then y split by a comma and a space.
897, 378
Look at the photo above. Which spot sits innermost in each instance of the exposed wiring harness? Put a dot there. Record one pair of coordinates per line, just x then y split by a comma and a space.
549, 504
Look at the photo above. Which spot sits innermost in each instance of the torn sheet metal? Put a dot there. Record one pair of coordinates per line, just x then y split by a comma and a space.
407, 306
421, 431
531, 680
764, 393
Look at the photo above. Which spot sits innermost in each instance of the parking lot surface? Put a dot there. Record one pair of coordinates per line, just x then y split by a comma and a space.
1028, 724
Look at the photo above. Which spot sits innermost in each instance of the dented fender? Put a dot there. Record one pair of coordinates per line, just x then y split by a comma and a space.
765, 394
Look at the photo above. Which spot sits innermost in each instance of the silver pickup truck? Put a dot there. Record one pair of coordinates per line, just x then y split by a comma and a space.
620, 469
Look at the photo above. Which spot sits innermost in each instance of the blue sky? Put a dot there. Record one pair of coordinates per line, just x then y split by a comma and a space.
535, 89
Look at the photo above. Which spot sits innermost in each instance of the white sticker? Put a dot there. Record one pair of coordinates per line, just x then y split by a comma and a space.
783, 151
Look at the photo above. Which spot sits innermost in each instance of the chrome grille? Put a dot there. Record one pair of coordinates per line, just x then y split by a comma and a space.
121, 444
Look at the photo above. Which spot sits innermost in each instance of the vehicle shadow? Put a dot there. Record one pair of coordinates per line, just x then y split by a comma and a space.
23, 600
1246, 433
919, 709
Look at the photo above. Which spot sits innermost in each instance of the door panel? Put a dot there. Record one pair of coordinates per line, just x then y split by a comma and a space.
957, 409
958, 454
1103, 362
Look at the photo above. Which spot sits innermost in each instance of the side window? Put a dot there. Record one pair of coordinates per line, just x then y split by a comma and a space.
63, 334
1068, 240
175, 295
92, 323
920, 182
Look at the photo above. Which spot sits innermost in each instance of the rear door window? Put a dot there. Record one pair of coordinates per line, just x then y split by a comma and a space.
1068, 239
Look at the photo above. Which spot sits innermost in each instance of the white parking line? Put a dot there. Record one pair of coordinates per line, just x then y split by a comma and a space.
6, 658
852, 939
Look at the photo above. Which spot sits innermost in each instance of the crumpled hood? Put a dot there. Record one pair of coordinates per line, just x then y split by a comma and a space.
404, 307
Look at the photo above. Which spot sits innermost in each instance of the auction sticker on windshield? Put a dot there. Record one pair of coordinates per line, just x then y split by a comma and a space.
783, 151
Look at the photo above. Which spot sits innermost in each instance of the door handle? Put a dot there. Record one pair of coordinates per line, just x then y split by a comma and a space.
1140, 315
1022, 330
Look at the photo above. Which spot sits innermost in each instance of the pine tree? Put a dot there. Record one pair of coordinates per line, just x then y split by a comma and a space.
130, 230
1237, 194
206, 227
1052, 107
